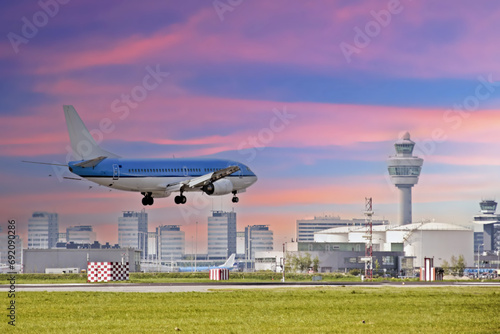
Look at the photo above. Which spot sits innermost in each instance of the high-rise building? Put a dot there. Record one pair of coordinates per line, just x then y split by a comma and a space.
240, 243
43, 230
16, 245
62, 237
258, 238
305, 228
171, 242
133, 231
404, 170
83, 234
221, 234
152, 245
489, 220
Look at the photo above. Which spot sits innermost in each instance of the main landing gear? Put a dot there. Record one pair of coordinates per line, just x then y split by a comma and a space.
181, 199
235, 198
147, 199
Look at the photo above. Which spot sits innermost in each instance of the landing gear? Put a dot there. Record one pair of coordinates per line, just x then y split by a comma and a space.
235, 198
147, 199
181, 199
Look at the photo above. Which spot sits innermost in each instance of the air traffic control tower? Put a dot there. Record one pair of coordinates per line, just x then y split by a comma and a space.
404, 170
490, 222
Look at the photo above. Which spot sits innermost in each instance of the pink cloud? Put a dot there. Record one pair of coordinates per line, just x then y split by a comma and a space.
312, 125
313, 42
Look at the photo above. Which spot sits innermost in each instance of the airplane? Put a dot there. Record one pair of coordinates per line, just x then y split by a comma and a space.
153, 178
229, 264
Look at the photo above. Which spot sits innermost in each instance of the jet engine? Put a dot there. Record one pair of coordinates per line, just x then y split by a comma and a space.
219, 187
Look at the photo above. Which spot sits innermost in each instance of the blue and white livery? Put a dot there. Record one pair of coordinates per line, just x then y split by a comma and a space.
153, 178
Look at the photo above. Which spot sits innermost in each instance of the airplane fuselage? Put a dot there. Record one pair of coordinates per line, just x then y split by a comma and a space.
153, 178
155, 175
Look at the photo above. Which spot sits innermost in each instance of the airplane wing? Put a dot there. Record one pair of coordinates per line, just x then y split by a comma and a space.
200, 181
212, 177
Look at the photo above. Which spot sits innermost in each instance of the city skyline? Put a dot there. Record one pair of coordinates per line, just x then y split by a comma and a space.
312, 97
222, 234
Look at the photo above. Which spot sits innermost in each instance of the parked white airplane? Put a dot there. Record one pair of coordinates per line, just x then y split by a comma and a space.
230, 264
153, 178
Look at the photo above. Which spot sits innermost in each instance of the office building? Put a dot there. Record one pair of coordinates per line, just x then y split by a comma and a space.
258, 238
221, 234
83, 235
440, 241
152, 246
133, 231
240, 243
341, 257
489, 222
305, 228
171, 243
62, 237
38, 260
16, 245
43, 230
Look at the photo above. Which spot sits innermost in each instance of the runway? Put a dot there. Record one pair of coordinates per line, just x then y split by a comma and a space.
208, 287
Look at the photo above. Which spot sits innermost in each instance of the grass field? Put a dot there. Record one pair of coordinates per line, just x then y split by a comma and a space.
306, 310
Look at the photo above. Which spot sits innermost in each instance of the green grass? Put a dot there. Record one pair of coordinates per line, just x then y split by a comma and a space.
177, 277
291, 310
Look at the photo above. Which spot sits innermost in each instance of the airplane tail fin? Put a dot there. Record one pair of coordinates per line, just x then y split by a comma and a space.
229, 262
83, 144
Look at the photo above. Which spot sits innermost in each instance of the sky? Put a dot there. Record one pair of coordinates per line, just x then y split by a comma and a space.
311, 95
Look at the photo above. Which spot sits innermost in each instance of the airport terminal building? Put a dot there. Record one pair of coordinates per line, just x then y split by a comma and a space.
38, 260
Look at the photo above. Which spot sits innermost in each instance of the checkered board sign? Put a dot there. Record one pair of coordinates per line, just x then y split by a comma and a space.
107, 271
219, 274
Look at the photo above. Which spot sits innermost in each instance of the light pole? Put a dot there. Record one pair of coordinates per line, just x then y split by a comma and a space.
498, 263
284, 261
196, 247
478, 247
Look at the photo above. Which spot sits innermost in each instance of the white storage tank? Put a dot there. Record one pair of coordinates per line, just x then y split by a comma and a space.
437, 240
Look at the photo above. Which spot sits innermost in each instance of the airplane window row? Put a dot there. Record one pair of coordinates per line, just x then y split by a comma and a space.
163, 170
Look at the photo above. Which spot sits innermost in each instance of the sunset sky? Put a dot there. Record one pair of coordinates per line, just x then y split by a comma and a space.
310, 94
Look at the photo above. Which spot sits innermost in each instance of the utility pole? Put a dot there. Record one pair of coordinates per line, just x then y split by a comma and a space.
369, 239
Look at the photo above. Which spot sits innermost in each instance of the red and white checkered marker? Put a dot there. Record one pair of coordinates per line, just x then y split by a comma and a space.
107, 271
219, 274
